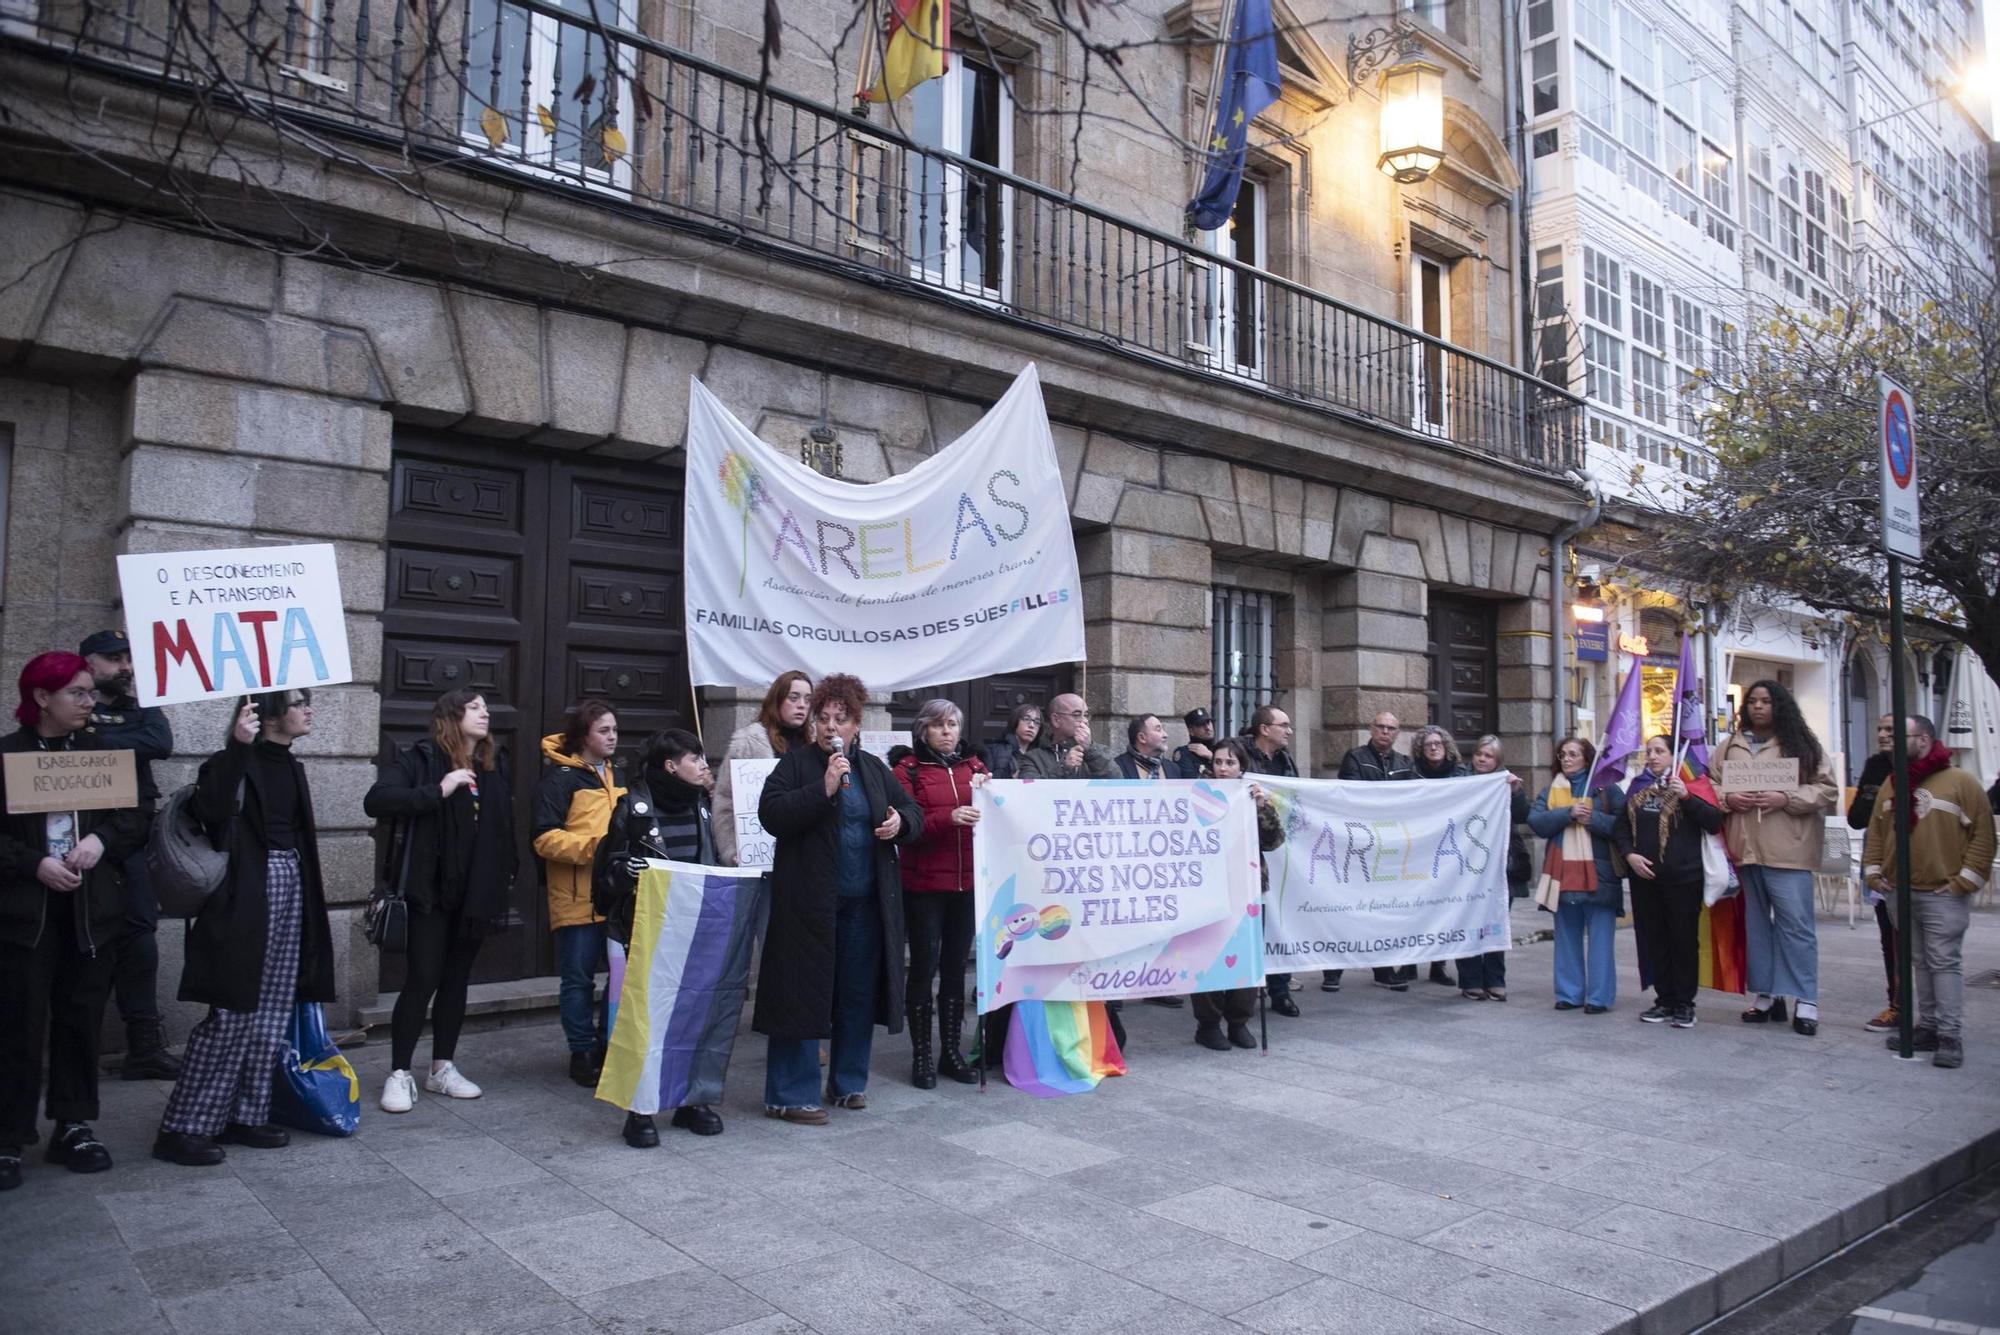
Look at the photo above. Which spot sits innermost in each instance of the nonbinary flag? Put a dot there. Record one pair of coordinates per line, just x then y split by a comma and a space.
676, 992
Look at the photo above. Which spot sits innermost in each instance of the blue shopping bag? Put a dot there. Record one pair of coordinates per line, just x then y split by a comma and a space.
314, 1089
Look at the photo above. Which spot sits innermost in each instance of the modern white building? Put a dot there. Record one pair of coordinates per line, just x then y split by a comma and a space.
1693, 166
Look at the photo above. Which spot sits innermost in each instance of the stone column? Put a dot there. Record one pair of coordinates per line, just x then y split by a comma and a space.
1527, 679
1376, 635
223, 463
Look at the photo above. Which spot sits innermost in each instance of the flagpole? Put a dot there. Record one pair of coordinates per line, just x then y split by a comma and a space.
1223, 33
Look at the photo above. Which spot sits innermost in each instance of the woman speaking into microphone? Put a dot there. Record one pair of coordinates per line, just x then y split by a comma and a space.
833, 952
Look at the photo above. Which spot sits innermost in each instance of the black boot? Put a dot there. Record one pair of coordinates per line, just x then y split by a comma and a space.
951, 1064
923, 1063
146, 1055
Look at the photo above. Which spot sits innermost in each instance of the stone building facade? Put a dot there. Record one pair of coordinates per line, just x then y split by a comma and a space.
479, 398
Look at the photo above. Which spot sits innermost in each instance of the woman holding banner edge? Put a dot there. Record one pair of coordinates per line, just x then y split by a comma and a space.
833, 950
1231, 759
1580, 877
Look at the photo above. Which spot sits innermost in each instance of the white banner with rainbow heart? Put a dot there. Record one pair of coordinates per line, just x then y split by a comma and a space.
1115, 888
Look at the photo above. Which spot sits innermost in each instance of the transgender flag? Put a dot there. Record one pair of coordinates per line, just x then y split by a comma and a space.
676, 992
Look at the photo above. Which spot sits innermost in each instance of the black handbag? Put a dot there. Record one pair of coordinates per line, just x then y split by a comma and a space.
386, 920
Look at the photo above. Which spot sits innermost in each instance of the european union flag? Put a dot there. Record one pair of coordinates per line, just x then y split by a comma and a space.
1249, 84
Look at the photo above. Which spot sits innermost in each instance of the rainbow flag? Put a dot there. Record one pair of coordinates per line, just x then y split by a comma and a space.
676, 992
1060, 1047
1724, 963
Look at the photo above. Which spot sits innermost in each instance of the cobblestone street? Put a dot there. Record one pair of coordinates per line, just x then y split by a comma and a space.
1407, 1162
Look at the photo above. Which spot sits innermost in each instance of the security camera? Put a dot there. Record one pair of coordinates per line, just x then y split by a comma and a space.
1588, 573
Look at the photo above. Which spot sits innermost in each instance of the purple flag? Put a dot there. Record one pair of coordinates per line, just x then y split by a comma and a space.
1621, 733
1690, 711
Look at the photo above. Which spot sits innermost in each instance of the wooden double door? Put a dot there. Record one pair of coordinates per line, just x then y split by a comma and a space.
1464, 692
985, 703
535, 579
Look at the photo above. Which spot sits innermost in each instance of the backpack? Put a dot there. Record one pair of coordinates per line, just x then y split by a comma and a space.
184, 867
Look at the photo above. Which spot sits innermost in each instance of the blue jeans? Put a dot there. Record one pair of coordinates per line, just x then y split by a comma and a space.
791, 1069
579, 955
1781, 937
1586, 965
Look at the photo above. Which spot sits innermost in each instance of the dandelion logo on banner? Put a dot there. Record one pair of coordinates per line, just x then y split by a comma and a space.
743, 488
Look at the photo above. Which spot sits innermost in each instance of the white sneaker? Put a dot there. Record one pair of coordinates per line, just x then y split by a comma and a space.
451, 1083
399, 1093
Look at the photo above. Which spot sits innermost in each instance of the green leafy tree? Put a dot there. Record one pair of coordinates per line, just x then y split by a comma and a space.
1793, 504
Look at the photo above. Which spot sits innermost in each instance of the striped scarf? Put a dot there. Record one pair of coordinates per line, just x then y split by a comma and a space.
1570, 865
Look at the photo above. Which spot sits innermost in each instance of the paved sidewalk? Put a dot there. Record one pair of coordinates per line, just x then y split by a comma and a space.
1397, 1162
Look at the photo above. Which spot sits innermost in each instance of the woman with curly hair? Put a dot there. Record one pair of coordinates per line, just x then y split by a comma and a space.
833, 952
1776, 839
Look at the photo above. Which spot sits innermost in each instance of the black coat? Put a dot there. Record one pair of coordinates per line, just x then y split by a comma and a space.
795, 979
641, 826
1363, 763
456, 863
96, 907
225, 941
1003, 757
1874, 773
1639, 832
125, 724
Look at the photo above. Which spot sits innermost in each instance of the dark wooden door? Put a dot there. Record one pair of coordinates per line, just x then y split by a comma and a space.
987, 702
1464, 693
534, 579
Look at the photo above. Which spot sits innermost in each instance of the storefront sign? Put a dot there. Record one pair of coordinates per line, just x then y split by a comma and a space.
1593, 641
1635, 645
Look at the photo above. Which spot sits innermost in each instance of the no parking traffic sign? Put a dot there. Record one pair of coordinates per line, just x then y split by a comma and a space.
1901, 533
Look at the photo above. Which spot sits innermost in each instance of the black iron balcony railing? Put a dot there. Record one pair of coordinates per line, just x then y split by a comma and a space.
569, 95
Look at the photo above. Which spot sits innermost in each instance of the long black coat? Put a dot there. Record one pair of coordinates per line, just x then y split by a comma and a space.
97, 907
225, 942
795, 979
454, 861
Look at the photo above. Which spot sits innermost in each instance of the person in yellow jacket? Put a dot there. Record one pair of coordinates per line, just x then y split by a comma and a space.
1776, 839
1951, 857
573, 806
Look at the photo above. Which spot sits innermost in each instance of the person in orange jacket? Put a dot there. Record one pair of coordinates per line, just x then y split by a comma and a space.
573, 806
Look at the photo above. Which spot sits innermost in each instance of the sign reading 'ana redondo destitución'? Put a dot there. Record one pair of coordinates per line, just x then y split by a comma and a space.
211, 624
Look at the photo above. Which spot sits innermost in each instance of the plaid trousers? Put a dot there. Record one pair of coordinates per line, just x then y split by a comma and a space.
233, 1055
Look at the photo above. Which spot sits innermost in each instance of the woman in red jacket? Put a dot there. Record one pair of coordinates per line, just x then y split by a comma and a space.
937, 889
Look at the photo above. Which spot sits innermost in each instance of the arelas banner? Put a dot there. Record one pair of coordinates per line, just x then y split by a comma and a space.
959, 568
248, 619
1114, 888
1386, 873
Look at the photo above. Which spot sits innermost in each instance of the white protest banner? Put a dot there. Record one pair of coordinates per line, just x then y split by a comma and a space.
960, 568
1114, 888
754, 844
242, 620
880, 743
1386, 873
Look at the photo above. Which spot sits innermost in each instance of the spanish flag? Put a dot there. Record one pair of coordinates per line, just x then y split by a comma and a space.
917, 48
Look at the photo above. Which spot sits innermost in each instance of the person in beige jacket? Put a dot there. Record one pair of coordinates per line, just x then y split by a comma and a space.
1951, 857
1776, 839
781, 723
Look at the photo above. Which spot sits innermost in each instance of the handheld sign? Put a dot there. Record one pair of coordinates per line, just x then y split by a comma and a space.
754, 844
1772, 774
880, 744
223, 623
1902, 531
39, 781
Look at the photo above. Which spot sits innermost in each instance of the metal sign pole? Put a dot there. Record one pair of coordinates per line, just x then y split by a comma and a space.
1906, 1010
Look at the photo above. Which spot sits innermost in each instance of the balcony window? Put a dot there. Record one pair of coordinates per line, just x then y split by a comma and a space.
1604, 357
1234, 311
546, 90
1430, 311
1600, 290
959, 220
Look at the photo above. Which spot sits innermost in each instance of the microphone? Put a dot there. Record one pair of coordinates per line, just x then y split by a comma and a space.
847, 778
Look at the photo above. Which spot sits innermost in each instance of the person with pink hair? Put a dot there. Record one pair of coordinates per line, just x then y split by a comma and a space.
62, 900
